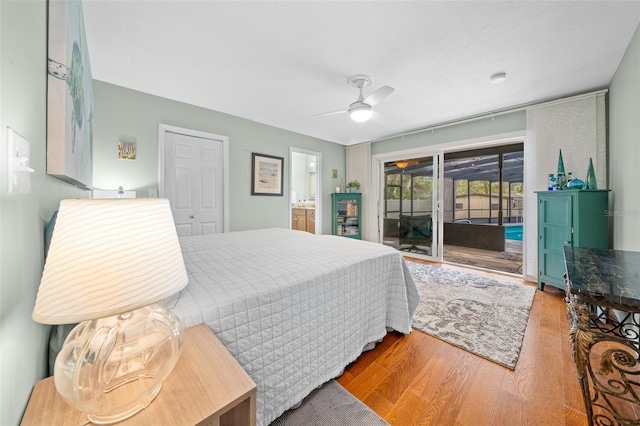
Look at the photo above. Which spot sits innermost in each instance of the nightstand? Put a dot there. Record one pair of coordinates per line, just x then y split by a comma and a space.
207, 386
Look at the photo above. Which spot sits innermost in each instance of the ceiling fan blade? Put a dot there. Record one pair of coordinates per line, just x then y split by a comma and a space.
378, 118
378, 95
330, 113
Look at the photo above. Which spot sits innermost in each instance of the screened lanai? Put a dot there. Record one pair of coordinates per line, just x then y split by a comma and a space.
482, 206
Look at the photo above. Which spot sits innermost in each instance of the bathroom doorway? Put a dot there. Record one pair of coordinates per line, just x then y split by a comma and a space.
305, 190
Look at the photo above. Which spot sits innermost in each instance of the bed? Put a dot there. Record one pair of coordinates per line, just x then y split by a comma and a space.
293, 308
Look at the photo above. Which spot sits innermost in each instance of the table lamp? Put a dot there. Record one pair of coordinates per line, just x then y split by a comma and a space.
108, 264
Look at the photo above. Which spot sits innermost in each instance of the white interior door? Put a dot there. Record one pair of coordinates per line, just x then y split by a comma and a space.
193, 173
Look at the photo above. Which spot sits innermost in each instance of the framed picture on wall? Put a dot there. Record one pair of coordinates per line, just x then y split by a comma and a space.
69, 96
126, 150
266, 174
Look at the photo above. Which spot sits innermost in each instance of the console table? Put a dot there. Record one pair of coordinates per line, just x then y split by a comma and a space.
603, 301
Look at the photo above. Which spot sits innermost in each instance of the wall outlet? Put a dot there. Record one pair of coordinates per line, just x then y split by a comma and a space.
153, 193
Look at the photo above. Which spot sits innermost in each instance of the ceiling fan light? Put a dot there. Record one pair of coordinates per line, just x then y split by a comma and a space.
361, 113
405, 163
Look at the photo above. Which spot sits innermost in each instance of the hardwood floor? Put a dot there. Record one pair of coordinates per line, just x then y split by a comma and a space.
419, 380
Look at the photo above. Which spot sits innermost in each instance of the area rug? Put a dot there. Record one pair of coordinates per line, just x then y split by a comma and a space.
330, 405
510, 256
482, 315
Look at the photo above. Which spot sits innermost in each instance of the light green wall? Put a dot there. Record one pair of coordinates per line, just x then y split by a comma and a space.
124, 112
23, 79
22, 216
624, 148
500, 124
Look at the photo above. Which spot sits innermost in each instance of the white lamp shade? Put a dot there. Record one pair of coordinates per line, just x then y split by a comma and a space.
107, 257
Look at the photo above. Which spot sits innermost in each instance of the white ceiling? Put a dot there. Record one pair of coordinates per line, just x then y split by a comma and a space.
281, 62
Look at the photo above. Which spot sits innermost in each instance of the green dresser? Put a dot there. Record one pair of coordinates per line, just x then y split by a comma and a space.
574, 218
346, 214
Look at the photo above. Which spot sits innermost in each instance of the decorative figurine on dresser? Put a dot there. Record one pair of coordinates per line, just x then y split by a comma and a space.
571, 213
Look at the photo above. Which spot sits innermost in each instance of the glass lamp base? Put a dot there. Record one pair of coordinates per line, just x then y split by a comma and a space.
112, 368
139, 404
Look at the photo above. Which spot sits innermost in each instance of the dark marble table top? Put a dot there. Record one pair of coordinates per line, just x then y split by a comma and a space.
612, 276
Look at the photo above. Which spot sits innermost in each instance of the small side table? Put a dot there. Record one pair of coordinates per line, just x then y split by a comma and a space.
207, 386
603, 300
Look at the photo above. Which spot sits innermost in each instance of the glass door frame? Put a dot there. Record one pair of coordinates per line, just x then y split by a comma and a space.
438, 169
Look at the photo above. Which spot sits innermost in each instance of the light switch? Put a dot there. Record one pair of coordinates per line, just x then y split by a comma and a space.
18, 158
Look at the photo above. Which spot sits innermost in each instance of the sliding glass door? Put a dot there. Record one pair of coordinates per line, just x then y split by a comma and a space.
461, 207
410, 205
482, 207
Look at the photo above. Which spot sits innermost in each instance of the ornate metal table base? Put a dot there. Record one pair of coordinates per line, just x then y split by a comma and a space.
607, 357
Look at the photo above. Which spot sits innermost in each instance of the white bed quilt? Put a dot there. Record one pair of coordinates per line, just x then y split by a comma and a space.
293, 308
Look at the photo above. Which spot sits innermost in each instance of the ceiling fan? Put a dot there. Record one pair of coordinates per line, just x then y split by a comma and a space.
362, 109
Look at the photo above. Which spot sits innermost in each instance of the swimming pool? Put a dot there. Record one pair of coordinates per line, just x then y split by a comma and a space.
513, 232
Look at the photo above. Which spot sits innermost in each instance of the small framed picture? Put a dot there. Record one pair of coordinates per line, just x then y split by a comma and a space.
266, 174
126, 150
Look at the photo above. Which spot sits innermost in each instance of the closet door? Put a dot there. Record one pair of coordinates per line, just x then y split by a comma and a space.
194, 183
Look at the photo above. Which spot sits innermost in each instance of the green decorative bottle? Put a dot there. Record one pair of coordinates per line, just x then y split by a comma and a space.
560, 163
591, 177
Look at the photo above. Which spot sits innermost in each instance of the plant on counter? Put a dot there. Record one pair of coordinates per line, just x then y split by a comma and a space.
353, 186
